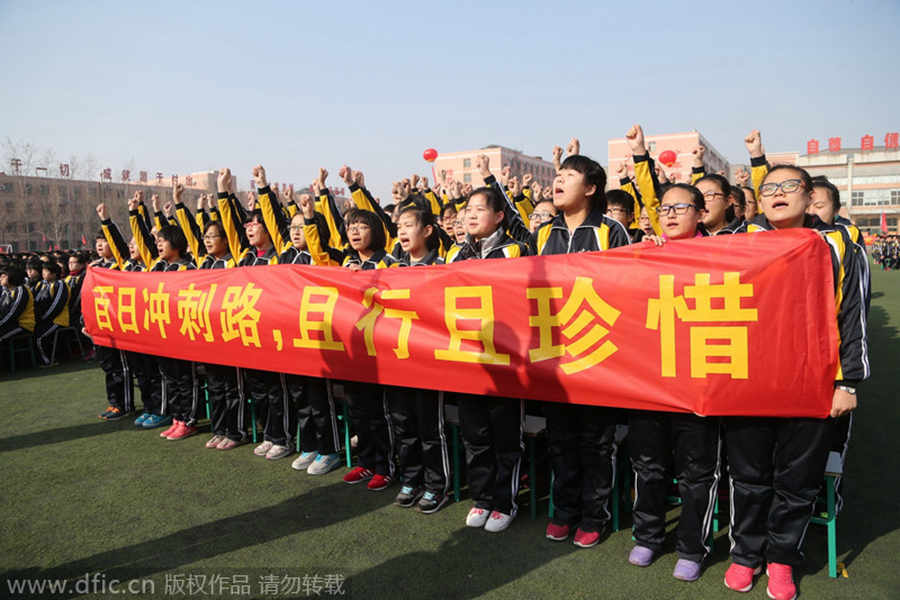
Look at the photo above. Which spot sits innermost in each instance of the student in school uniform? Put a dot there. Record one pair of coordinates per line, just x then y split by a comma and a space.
112, 251
776, 465
51, 307
17, 308
654, 437
418, 415
581, 438
179, 376
491, 427
369, 416
310, 397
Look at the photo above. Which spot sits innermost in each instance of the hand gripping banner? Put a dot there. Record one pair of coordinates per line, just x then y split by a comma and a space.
732, 325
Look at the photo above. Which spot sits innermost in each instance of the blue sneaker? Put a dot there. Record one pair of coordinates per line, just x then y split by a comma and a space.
141, 419
154, 421
324, 463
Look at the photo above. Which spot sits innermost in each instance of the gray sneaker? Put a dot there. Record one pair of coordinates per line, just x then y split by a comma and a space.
302, 462
277, 452
324, 463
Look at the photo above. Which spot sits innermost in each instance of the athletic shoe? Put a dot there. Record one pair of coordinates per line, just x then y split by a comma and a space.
408, 496
171, 430
228, 443
740, 578
432, 502
781, 582
263, 449
324, 463
183, 431
48, 365
114, 414
498, 522
154, 421
277, 451
379, 482
640, 556
587, 537
477, 517
558, 530
105, 412
215, 441
358, 475
302, 462
686, 570
141, 419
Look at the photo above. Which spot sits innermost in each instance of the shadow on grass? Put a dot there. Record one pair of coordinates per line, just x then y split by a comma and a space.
24, 370
870, 509
201, 542
62, 434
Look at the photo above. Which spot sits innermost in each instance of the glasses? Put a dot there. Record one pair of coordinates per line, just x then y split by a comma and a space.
295, 228
713, 195
357, 228
542, 217
615, 210
788, 186
211, 237
678, 209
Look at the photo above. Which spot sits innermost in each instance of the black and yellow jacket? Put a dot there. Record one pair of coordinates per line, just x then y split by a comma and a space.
497, 245
848, 296
19, 308
598, 232
75, 281
211, 262
117, 245
52, 303
185, 264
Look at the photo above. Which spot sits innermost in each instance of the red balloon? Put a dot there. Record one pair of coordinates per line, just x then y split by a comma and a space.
430, 154
668, 158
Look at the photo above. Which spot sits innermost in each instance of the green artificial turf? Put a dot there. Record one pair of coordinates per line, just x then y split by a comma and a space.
83, 496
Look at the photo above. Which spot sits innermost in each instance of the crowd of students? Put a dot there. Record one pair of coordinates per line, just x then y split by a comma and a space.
775, 465
886, 252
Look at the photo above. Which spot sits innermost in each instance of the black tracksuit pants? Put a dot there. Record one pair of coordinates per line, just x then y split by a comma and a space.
227, 399
370, 420
421, 442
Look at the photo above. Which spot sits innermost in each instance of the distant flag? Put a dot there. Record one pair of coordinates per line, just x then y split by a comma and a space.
83, 240
49, 248
44, 237
884, 228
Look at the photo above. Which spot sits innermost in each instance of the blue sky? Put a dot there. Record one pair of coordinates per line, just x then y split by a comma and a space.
187, 86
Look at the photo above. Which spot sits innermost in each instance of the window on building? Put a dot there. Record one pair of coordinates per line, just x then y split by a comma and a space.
8, 188
467, 162
44, 190
467, 178
652, 146
856, 198
895, 196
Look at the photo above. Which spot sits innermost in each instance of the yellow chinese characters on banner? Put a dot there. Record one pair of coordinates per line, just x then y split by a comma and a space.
193, 310
240, 317
367, 323
317, 315
473, 323
731, 340
588, 350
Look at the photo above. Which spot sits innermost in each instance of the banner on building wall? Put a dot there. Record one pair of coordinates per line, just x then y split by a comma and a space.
732, 325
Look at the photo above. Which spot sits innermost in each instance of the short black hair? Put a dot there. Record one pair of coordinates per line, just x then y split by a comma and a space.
376, 226
424, 218
15, 274
495, 200
621, 199
697, 198
175, 236
53, 268
593, 175
821, 183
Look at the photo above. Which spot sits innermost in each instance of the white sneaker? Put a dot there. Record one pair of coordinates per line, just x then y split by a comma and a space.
477, 517
263, 449
325, 463
304, 460
498, 522
276, 452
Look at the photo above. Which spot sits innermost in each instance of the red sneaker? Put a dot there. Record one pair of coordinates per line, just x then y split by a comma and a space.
587, 537
781, 582
171, 430
740, 578
558, 530
182, 432
379, 482
358, 475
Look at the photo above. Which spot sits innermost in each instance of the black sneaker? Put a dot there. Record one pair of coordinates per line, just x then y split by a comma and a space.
431, 503
408, 496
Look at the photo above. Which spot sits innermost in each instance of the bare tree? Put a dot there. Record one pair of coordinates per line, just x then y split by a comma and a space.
20, 156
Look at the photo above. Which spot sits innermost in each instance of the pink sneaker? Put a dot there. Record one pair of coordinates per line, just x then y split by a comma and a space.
182, 432
781, 582
171, 430
740, 578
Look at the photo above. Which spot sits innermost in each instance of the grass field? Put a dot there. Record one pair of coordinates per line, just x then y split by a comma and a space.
81, 496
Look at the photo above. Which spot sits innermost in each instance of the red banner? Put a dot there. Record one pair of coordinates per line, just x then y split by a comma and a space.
732, 325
